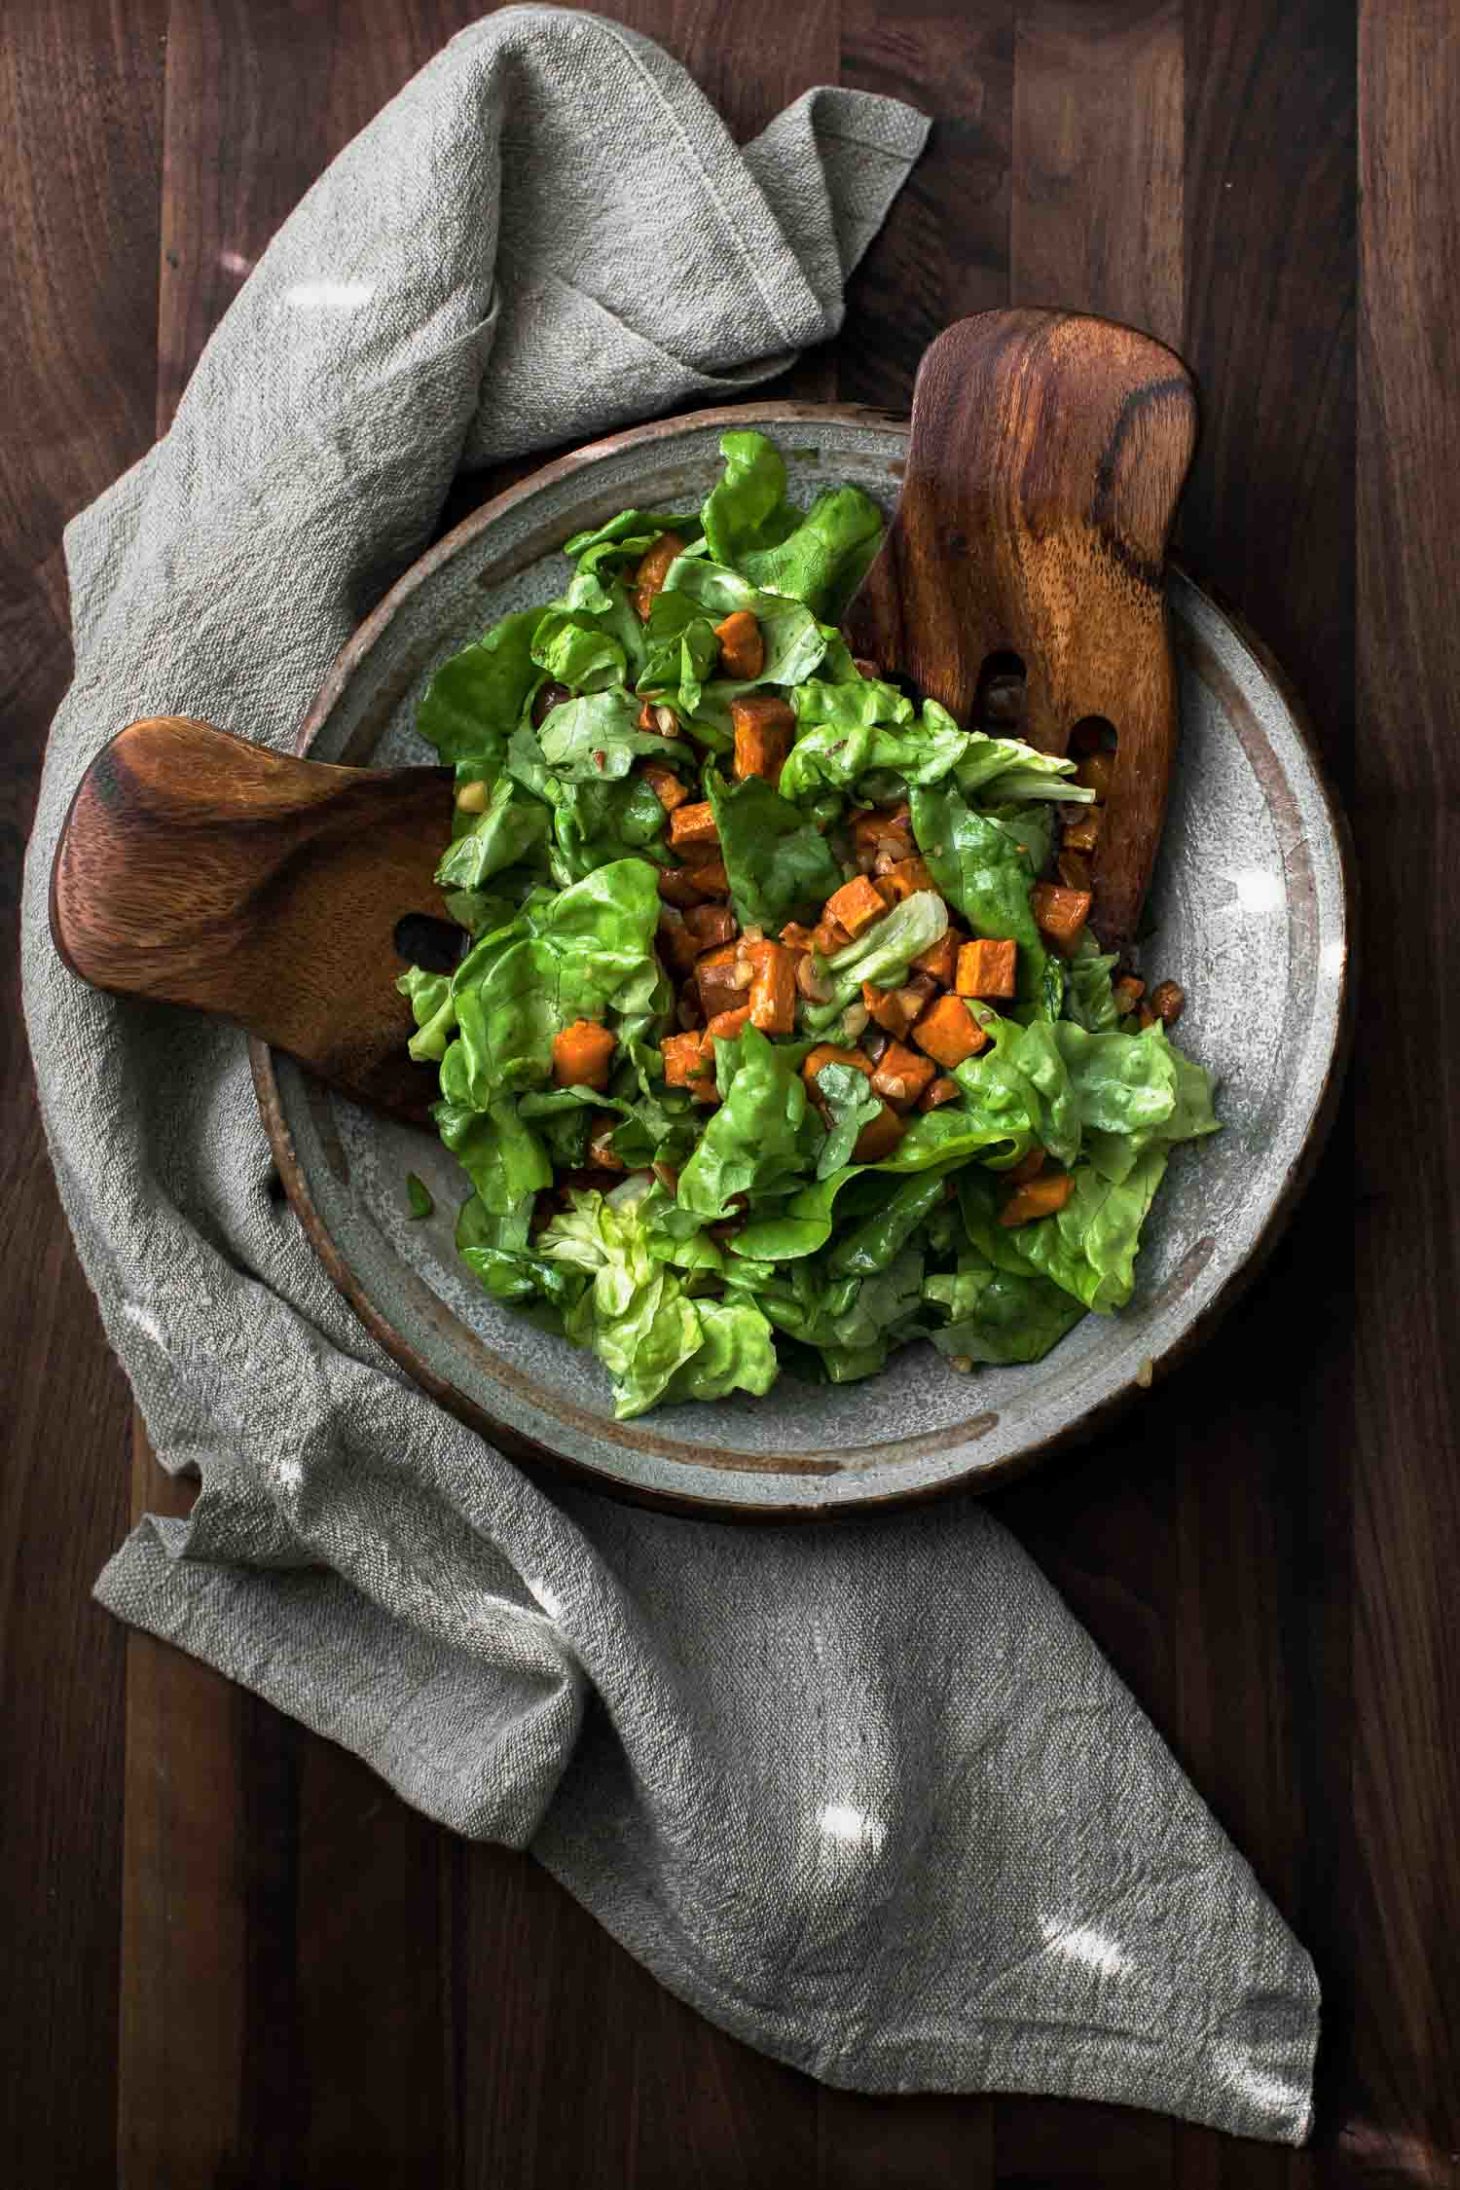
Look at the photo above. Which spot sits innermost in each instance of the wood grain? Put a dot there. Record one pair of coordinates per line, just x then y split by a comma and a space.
80, 134
1046, 455
197, 869
1266, 1553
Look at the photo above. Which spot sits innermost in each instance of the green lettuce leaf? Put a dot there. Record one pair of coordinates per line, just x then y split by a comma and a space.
472, 704
780, 865
512, 829
761, 1140
998, 1316
597, 738
978, 866
842, 754
882, 954
851, 1105
1088, 1248
658, 1341
1006, 768
583, 953
819, 558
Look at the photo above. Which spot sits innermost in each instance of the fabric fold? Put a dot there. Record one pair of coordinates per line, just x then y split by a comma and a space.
867, 1796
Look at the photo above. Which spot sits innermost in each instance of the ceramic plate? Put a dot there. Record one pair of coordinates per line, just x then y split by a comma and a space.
1249, 915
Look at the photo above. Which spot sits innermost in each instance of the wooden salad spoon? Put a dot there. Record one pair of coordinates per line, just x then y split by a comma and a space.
1046, 456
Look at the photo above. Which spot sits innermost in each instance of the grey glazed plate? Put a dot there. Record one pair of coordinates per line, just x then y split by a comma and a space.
1250, 915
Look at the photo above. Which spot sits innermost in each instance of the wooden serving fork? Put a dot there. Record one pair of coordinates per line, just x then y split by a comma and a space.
1046, 457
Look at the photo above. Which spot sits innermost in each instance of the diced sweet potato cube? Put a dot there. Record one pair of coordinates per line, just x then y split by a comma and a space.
582, 1054
1128, 993
939, 1091
829, 936
1082, 830
1027, 1168
677, 887
710, 925
772, 988
665, 785
1060, 914
948, 1032
764, 727
940, 959
906, 877
987, 968
1097, 773
727, 1024
693, 825
685, 1057
886, 1008
877, 1140
883, 829
708, 877
1074, 869
676, 945
653, 570
742, 646
902, 1075
797, 939
854, 906
1041, 1197
724, 978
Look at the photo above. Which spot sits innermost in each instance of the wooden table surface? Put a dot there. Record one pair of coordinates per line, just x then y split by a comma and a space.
228, 1956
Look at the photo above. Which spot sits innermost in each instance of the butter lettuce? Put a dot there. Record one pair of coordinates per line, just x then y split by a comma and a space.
698, 1247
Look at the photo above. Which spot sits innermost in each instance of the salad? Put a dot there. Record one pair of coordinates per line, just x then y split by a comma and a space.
779, 1038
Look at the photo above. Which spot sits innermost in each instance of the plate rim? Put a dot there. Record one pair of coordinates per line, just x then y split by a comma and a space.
974, 1481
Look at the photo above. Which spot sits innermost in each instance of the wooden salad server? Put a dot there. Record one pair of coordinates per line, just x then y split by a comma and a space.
1046, 456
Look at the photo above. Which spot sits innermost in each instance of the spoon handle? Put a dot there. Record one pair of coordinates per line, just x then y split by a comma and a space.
1047, 454
195, 868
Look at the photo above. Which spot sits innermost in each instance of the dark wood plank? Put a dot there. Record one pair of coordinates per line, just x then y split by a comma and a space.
1098, 118
944, 251
80, 132
1403, 1920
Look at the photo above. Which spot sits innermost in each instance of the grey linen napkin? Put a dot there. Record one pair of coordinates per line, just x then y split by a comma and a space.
865, 1795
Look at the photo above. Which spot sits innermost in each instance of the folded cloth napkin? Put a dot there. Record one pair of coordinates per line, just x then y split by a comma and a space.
865, 1795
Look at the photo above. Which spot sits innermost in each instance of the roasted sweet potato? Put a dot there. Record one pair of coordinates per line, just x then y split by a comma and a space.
724, 978
727, 1024
940, 960
653, 570
710, 925
1060, 914
948, 1032
878, 1139
742, 646
665, 785
1041, 1197
693, 825
855, 906
987, 969
677, 947
764, 728
677, 887
796, 938
600, 1142
829, 936
1082, 834
1128, 993
902, 1075
685, 1057
886, 1008
882, 831
582, 1054
772, 988
904, 878
1027, 1168
940, 1091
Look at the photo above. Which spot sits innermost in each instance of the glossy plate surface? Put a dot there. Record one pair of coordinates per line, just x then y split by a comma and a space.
1250, 915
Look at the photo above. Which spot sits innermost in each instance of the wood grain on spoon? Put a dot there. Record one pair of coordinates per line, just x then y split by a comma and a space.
1047, 454
196, 868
